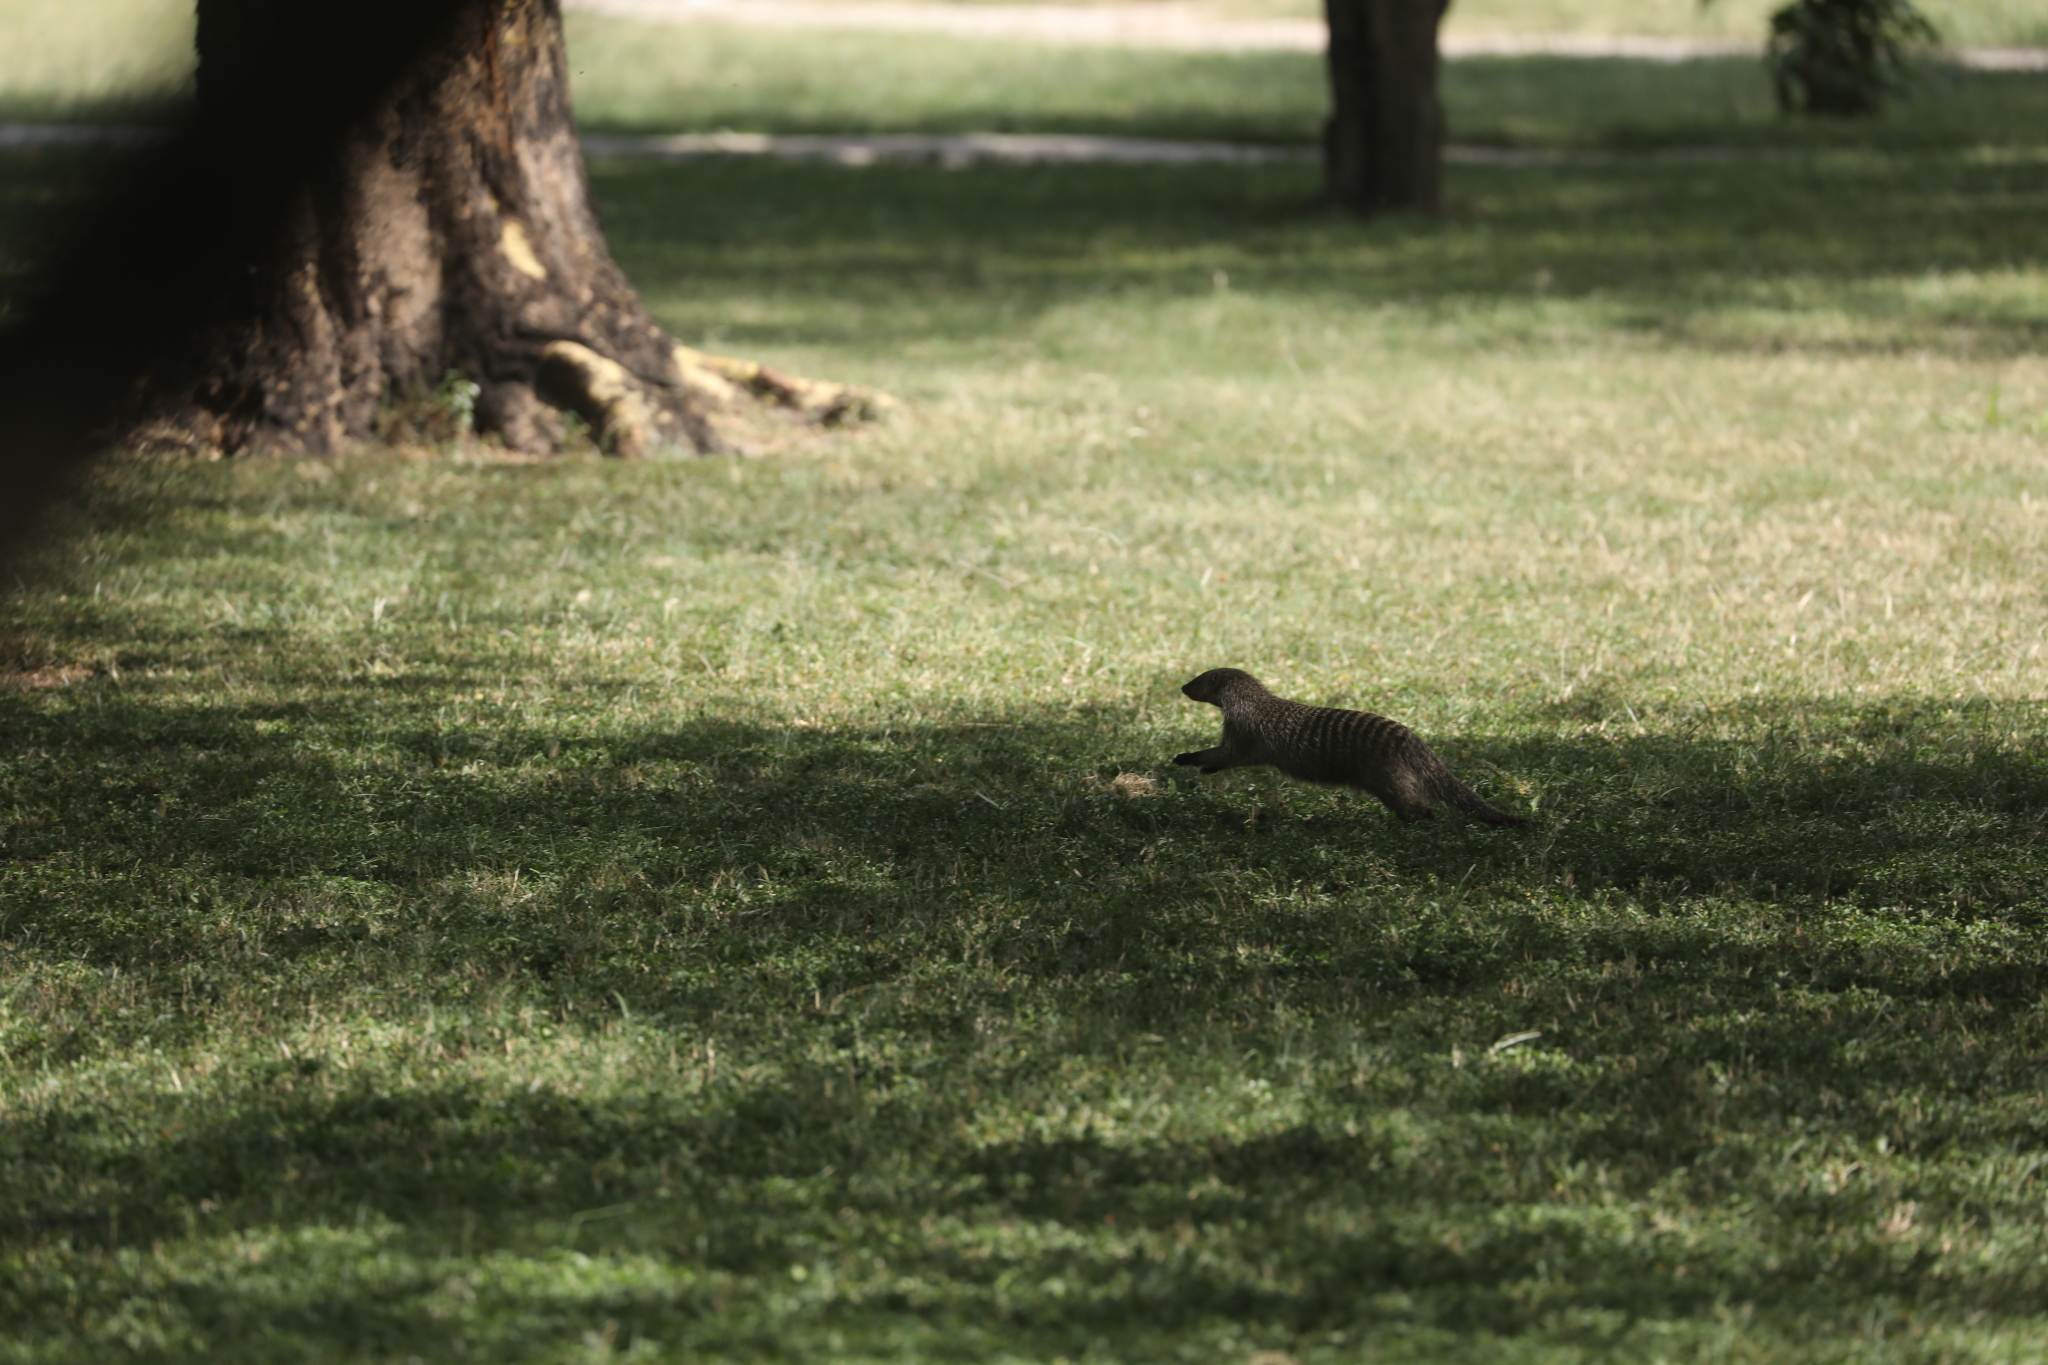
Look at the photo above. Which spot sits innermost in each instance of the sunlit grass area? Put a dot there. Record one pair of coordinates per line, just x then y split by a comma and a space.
1960, 22
744, 909
98, 59
1985, 23
131, 60
646, 77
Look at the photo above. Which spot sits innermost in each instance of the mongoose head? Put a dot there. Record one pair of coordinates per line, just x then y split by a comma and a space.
1217, 683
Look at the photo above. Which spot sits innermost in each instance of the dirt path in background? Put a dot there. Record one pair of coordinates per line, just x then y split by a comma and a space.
1184, 27
950, 150
956, 150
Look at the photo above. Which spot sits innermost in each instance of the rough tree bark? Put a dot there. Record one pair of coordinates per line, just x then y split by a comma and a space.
1383, 144
442, 223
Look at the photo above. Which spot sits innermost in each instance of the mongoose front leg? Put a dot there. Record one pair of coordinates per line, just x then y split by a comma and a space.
1208, 760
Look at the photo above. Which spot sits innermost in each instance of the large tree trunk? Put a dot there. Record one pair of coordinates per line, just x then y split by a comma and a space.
442, 224
1383, 144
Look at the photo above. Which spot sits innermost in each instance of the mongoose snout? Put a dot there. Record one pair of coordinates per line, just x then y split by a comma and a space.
1330, 745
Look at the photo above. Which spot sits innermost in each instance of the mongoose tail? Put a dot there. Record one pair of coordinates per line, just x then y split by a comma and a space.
1331, 745
1449, 790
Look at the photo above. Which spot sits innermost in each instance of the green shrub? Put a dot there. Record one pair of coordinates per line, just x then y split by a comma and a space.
1843, 58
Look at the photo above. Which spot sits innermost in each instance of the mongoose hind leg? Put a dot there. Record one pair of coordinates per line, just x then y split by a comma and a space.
1401, 794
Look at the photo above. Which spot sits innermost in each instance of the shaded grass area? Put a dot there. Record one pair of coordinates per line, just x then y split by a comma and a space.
683, 911
1818, 252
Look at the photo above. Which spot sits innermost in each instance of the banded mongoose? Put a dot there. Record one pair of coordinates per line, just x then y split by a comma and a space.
1326, 744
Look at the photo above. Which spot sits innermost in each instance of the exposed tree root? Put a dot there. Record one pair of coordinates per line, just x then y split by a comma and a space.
713, 403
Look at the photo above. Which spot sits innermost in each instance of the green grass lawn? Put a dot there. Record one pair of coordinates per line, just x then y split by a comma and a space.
459, 910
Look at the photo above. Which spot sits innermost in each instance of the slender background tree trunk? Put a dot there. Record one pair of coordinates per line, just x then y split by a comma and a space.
444, 226
1383, 144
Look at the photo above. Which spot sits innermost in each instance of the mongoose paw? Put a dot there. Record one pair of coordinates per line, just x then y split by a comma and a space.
1207, 771
1186, 759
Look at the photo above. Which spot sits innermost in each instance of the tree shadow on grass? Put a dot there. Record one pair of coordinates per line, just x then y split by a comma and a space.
1688, 251
135, 824
1317, 1226
1764, 934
